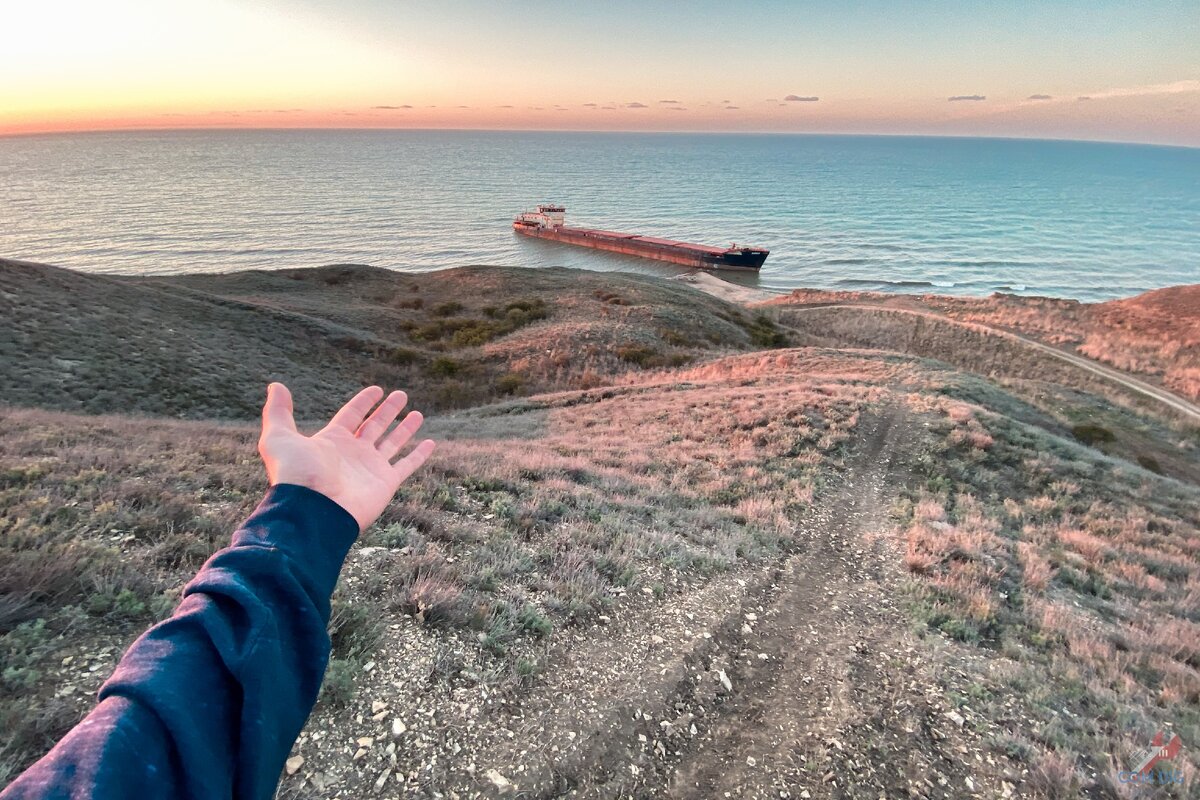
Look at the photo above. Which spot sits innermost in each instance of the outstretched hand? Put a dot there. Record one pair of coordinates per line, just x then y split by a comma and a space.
350, 459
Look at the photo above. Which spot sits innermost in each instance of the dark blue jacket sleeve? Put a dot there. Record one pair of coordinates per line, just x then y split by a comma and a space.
207, 703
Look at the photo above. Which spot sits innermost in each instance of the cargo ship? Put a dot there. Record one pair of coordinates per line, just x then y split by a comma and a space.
548, 222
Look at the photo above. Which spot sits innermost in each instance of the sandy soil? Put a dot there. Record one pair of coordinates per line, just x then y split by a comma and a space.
724, 290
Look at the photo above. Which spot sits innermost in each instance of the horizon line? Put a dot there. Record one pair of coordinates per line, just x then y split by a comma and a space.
443, 129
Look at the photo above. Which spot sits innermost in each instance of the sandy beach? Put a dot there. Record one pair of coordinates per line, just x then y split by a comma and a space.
724, 290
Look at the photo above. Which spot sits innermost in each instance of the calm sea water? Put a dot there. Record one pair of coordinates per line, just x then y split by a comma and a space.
969, 216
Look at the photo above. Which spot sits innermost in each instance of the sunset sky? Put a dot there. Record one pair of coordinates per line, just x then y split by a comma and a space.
1092, 69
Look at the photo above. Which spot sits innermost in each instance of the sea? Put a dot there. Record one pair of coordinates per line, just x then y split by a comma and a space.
970, 216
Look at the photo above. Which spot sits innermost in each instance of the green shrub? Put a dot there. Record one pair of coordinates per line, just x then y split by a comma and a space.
1091, 434
1150, 463
400, 355
447, 309
477, 333
533, 621
764, 332
639, 354
445, 367
354, 628
121, 604
511, 383
338, 688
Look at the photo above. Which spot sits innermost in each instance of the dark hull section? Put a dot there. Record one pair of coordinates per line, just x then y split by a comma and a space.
689, 255
741, 259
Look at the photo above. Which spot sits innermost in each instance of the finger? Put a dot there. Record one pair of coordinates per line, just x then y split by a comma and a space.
394, 441
383, 416
411, 462
352, 414
277, 411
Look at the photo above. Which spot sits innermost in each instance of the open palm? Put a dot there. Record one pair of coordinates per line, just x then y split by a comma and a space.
350, 460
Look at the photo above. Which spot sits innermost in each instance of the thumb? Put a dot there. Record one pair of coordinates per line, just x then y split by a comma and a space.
277, 412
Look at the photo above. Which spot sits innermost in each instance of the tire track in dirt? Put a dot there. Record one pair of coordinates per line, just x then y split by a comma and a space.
831, 696
826, 693
796, 681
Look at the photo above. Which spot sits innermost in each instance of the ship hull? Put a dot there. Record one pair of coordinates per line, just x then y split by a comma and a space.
688, 255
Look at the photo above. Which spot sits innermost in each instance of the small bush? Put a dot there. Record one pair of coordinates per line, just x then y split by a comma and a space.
639, 354
354, 628
676, 338
447, 309
445, 367
612, 298
338, 688
1150, 463
533, 621
1092, 435
400, 355
764, 332
512, 383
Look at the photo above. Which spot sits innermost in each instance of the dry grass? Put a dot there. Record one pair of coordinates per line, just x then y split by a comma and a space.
1082, 572
1078, 574
536, 514
203, 346
1155, 335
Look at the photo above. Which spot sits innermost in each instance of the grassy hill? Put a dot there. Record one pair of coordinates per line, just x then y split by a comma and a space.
826, 569
1155, 335
204, 346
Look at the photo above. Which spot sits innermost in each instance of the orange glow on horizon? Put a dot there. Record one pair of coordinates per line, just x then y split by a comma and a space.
72, 65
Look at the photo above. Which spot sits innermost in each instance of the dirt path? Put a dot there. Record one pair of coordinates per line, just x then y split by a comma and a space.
795, 679
784, 705
746, 295
823, 701
1173, 401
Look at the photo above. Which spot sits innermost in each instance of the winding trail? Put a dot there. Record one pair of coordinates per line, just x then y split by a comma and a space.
821, 704
1173, 401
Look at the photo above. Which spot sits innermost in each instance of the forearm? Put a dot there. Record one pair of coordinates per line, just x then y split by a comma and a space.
208, 702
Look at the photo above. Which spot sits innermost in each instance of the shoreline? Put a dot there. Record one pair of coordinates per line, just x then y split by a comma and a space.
724, 290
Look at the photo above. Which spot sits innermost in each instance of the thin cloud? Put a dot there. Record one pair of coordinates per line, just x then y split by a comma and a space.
608, 108
503, 106
668, 102
636, 105
589, 105
726, 101
731, 108
1176, 87
1039, 97
1149, 90
795, 98
676, 108
974, 97
391, 108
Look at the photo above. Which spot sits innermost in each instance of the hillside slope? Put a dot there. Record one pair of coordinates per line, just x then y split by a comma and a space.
205, 346
840, 572
1155, 335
